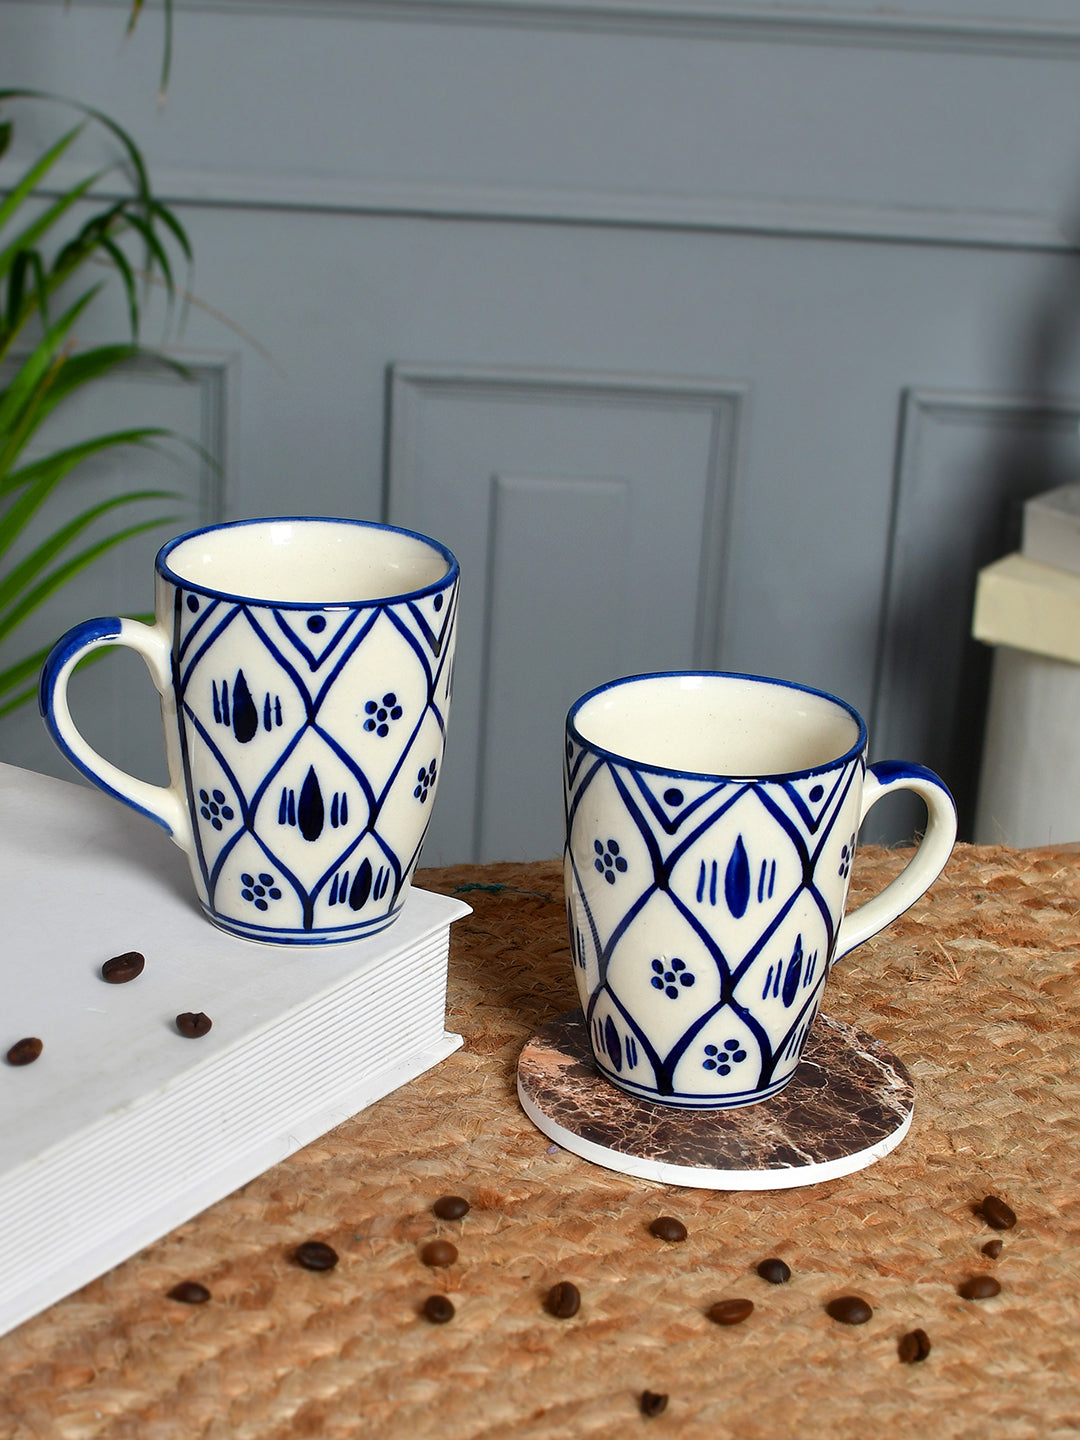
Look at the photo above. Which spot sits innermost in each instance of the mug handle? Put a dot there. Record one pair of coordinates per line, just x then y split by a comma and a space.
160, 803
924, 866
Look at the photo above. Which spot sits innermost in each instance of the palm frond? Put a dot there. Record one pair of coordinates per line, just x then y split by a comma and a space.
44, 248
63, 573
38, 560
67, 459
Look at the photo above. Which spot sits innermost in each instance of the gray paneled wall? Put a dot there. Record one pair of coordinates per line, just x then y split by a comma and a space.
590, 516
706, 333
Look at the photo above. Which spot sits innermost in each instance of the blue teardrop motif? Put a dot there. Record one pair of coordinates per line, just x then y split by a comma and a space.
794, 971
245, 717
310, 812
612, 1044
737, 880
361, 886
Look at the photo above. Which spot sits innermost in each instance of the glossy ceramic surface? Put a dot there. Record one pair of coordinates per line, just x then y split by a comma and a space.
706, 898
305, 669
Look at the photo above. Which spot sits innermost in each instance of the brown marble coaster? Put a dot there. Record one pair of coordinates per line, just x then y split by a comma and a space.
849, 1103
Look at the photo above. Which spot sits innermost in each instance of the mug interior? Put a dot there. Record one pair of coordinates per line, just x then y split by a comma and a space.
306, 561
706, 723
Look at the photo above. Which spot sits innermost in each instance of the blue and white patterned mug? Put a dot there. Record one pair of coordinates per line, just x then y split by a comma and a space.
711, 821
305, 668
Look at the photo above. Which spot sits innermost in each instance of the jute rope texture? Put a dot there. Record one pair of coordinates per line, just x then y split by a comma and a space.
977, 989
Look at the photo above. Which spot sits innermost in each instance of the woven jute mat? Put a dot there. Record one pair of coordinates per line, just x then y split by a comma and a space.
977, 989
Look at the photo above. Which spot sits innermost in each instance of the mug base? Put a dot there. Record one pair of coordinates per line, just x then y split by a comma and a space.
273, 935
738, 1100
848, 1103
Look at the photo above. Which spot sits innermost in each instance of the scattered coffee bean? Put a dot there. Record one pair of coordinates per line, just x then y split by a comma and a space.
438, 1309
450, 1207
192, 1024
189, 1292
438, 1253
979, 1287
652, 1404
774, 1271
315, 1255
997, 1214
122, 968
913, 1347
730, 1312
666, 1227
992, 1248
563, 1300
849, 1310
25, 1052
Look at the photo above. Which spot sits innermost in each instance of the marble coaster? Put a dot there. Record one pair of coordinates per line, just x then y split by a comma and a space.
849, 1103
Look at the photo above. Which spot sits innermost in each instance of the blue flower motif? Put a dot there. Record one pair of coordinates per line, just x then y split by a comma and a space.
722, 1060
213, 807
380, 714
847, 854
259, 890
425, 777
668, 978
608, 860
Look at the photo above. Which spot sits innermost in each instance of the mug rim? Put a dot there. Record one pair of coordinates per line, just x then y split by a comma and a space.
835, 763
163, 568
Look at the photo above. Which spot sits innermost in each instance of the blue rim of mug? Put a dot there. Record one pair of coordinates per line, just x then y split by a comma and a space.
843, 759
161, 564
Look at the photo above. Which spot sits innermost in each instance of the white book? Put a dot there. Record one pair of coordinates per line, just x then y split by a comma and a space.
123, 1128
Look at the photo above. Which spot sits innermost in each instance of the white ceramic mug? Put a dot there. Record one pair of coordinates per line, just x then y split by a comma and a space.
711, 826
304, 666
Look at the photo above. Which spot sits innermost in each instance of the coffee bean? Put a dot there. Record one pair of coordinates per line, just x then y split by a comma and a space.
992, 1248
997, 1214
979, 1287
438, 1253
25, 1052
730, 1312
315, 1255
913, 1346
438, 1309
652, 1404
849, 1310
774, 1271
451, 1207
189, 1292
122, 968
192, 1024
666, 1227
563, 1300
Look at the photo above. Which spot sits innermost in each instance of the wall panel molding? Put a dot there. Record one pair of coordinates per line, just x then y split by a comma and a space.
213, 376
966, 461
730, 214
209, 377
724, 401
800, 25
477, 178
591, 516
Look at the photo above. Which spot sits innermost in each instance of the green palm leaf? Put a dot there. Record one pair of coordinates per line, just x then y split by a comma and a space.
75, 454
36, 173
32, 233
48, 550
38, 370
49, 473
63, 573
42, 254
